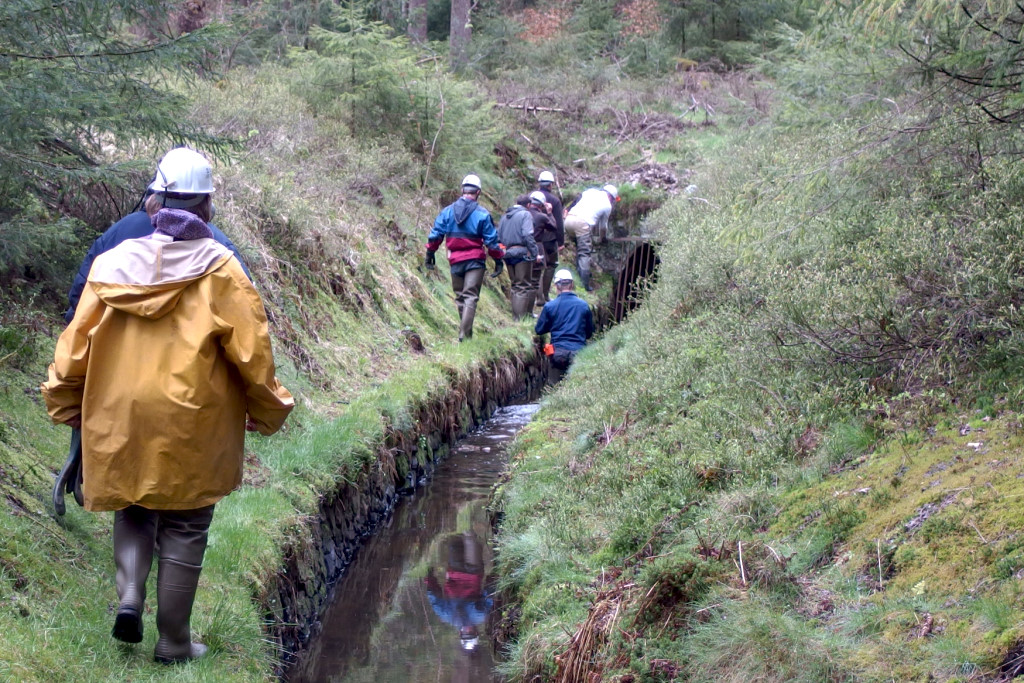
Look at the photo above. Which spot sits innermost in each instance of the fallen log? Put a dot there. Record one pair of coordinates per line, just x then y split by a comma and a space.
527, 107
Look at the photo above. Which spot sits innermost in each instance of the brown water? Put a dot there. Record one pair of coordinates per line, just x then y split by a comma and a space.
414, 605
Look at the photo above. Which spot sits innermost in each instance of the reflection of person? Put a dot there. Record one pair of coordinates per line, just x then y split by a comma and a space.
462, 600
165, 364
569, 320
468, 232
588, 217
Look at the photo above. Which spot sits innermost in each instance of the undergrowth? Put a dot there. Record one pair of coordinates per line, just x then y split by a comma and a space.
332, 229
815, 417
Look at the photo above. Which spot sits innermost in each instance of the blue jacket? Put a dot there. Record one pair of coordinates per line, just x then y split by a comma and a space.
467, 231
461, 612
132, 226
569, 320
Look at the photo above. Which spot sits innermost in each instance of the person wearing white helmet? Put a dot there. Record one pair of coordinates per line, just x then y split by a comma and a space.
468, 232
544, 233
165, 365
569, 321
589, 214
544, 273
184, 180
515, 232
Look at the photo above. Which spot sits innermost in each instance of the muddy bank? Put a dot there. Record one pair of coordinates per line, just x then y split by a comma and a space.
295, 597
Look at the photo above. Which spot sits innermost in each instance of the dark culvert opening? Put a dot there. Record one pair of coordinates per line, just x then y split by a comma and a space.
639, 270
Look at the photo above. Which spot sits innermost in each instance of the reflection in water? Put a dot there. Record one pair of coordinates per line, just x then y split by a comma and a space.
413, 605
462, 601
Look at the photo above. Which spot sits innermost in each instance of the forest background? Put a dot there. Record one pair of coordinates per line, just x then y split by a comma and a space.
798, 460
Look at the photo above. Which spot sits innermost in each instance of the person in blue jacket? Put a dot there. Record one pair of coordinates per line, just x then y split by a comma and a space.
469, 235
138, 223
570, 322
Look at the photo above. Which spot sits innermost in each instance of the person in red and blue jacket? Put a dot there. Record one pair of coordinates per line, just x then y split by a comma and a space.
469, 234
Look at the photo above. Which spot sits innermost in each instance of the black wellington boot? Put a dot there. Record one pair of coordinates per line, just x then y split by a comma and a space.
585, 280
545, 284
134, 536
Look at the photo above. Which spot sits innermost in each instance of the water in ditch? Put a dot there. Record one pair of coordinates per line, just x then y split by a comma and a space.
415, 604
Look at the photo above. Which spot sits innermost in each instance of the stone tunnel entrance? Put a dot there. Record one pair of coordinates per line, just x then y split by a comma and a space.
638, 270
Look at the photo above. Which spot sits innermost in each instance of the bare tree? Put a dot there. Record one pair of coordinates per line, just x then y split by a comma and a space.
459, 32
417, 26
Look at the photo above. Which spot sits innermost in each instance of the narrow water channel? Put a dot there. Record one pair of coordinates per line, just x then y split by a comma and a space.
414, 604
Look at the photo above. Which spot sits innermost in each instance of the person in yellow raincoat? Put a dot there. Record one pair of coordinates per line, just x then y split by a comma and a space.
165, 365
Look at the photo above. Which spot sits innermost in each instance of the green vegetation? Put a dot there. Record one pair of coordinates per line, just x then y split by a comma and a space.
798, 461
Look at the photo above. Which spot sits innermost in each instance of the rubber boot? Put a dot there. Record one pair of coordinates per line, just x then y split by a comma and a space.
521, 304
175, 594
545, 285
134, 537
183, 537
466, 325
516, 302
585, 280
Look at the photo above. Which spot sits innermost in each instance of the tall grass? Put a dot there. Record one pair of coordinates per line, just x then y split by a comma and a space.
828, 288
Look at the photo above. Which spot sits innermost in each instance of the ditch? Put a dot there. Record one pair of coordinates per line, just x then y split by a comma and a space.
416, 602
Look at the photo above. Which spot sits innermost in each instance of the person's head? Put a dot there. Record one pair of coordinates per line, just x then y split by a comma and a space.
545, 179
183, 180
613, 192
537, 201
564, 281
471, 186
523, 200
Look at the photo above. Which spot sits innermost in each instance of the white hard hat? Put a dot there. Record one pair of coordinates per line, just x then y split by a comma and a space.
471, 180
612, 190
183, 171
562, 275
538, 198
546, 177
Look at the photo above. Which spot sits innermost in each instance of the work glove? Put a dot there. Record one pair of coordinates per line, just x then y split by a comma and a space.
428, 260
498, 267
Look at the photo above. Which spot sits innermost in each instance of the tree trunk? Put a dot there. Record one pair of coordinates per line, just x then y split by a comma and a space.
417, 27
458, 34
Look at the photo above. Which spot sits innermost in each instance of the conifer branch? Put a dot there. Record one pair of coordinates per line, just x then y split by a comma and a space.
993, 31
94, 55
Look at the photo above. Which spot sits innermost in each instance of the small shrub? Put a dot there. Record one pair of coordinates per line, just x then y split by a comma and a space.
672, 584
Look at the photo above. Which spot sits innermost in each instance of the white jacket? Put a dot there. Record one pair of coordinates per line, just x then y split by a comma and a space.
594, 207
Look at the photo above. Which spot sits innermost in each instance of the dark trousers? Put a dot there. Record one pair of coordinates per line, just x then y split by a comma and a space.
522, 288
467, 292
544, 273
558, 364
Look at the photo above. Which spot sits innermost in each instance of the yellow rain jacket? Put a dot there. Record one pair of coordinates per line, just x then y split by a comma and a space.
168, 351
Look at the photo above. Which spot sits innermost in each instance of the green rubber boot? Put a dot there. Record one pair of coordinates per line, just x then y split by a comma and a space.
175, 594
183, 536
134, 537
